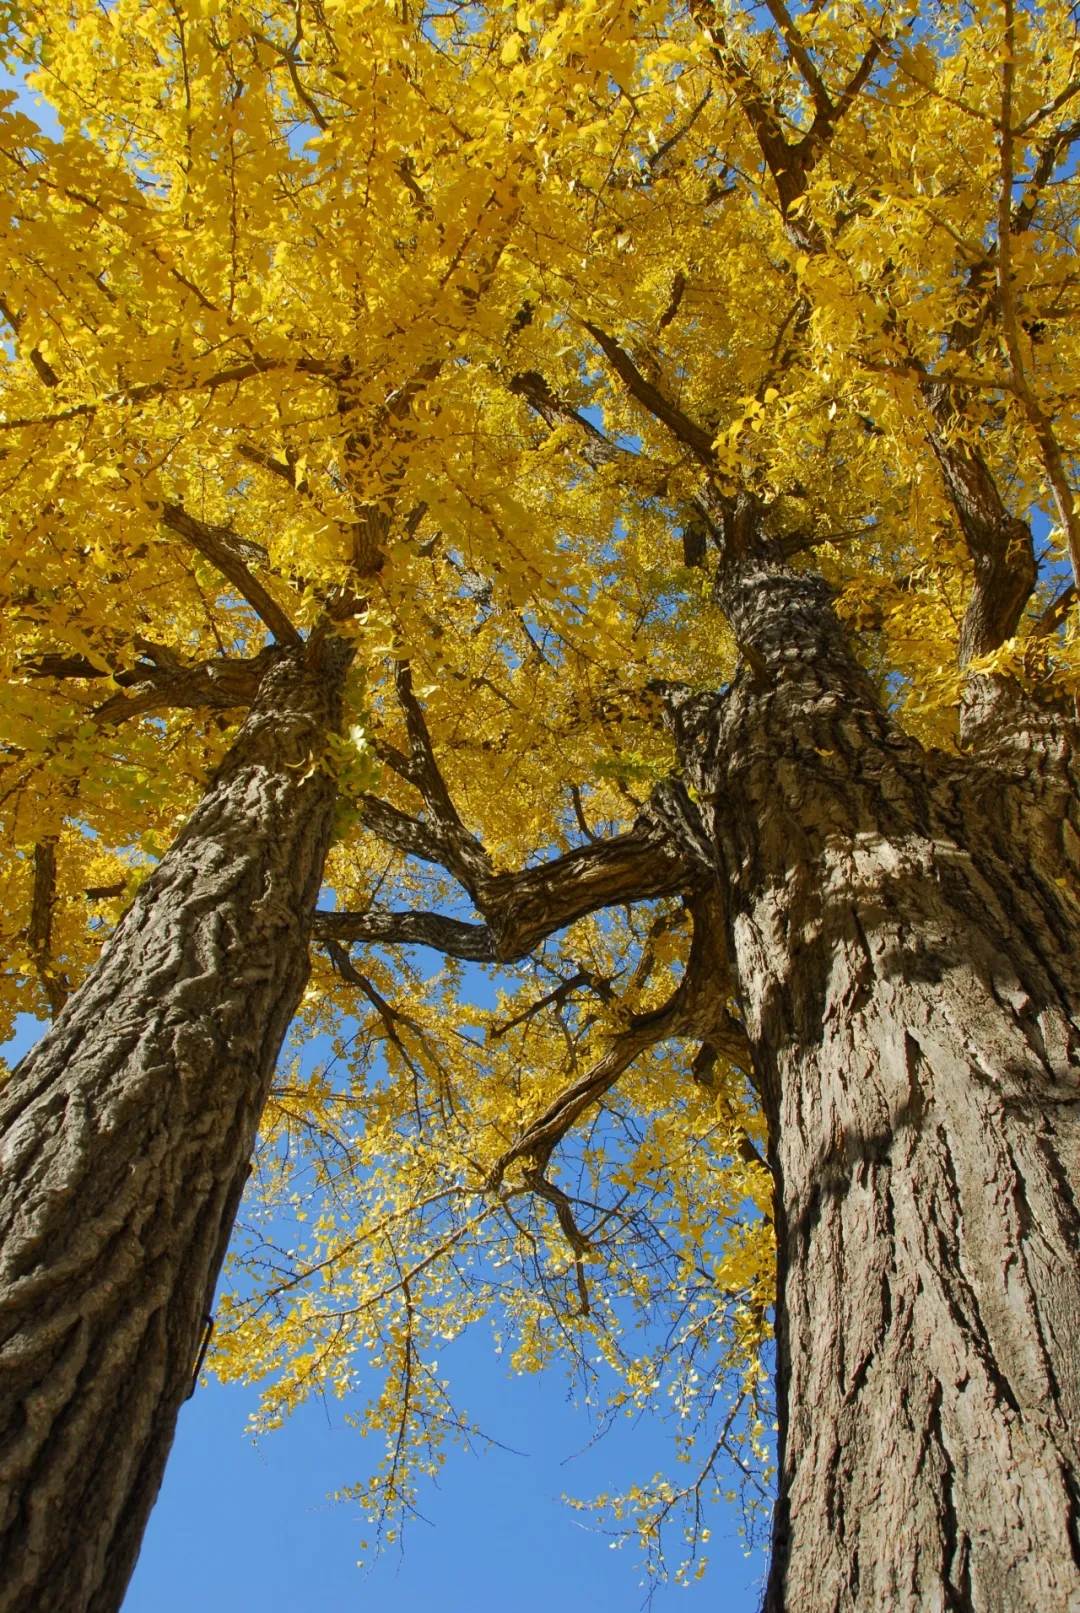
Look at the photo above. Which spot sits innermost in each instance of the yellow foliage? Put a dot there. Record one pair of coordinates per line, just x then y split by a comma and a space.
287, 268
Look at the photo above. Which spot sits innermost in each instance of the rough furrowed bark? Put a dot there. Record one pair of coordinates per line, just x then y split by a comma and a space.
125, 1137
905, 935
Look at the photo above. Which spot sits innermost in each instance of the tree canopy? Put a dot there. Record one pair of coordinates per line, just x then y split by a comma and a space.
471, 331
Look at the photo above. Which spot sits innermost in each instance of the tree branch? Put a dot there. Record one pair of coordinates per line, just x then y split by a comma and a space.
682, 428
551, 999
1055, 613
227, 550
789, 162
1041, 424
397, 829
472, 942
684, 128
464, 856
696, 1008
1000, 544
277, 467
522, 909
555, 411
57, 665
802, 58
43, 369
39, 932
324, 369
218, 685
162, 682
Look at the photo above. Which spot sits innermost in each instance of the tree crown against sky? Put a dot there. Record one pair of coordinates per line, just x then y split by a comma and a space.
467, 331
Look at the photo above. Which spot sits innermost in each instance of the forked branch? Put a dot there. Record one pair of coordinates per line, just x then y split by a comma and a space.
698, 1007
520, 909
161, 681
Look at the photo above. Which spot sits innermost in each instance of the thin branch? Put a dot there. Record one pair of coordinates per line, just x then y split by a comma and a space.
858, 80
277, 467
1049, 108
538, 1183
802, 58
556, 998
467, 858
1050, 153
579, 814
696, 1007
44, 370
336, 371
1055, 613
680, 133
597, 449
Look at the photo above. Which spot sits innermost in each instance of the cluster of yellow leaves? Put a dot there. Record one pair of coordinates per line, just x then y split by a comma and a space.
377, 1237
283, 267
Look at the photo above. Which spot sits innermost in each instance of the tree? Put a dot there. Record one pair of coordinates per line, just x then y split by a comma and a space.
740, 710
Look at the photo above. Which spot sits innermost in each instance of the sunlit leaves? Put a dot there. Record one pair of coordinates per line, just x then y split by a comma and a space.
288, 266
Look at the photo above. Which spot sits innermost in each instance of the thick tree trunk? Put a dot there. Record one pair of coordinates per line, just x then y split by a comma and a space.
905, 933
125, 1139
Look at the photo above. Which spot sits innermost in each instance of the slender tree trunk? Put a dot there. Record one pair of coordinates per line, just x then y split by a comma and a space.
905, 934
125, 1138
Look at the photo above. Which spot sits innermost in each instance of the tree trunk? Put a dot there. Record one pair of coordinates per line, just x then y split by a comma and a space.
905, 935
125, 1137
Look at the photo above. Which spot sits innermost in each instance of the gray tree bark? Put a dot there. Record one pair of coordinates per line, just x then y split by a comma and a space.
905, 936
125, 1137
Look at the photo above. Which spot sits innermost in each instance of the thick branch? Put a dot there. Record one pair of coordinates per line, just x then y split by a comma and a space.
1040, 422
39, 933
402, 832
226, 550
161, 682
1000, 544
685, 430
215, 685
473, 942
521, 909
